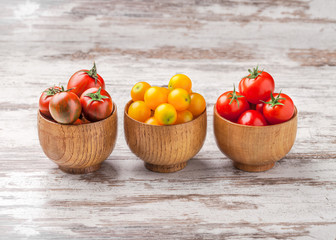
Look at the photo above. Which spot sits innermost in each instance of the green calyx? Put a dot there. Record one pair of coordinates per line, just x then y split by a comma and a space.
234, 96
275, 100
93, 72
96, 96
52, 91
254, 73
67, 90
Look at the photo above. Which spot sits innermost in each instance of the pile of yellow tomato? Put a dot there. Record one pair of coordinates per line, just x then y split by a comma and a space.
166, 106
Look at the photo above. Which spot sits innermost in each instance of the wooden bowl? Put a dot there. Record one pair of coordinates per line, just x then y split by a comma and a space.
254, 149
165, 148
78, 148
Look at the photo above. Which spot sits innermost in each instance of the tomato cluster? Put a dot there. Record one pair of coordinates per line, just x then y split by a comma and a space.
166, 106
255, 104
85, 99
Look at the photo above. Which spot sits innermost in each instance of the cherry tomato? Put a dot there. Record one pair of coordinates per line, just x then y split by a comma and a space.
139, 111
197, 104
155, 96
65, 107
180, 81
96, 103
183, 117
165, 114
179, 98
257, 86
45, 98
259, 107
231, 105
81, 120
84, 79
78, 122
152, 121
279, 108
252, 118
165, 91
138, 91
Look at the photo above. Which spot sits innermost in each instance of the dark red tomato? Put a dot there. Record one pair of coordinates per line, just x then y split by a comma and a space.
65, 107
97, 104
279, 108
259, 107
252, 118
231, 105
257, 86
45, 99
84, 79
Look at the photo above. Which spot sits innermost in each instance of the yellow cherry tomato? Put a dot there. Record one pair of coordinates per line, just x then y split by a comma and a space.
197, 104
165, 90
180, 81
165, 114
152, 121
179, 98
183, 117
139, 111
155, 96
138, 91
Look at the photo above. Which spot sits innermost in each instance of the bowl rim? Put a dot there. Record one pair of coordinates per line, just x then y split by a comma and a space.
78, 125
173, 125
216, 114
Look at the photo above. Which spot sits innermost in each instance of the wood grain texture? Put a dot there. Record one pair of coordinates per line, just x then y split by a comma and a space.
165, 149
81, 148
254, 149
214, 42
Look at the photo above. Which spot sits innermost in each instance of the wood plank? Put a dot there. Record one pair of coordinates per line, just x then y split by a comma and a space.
214, 42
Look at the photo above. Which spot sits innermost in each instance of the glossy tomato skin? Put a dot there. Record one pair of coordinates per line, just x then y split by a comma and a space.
279, 113
45, 99
96, 110
252, 118
231, 111
65, 107
85, 79
258, 89
81, 81
260, 107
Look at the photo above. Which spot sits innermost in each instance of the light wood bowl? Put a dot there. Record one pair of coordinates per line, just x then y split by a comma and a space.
254, 149
165, 148
81, 148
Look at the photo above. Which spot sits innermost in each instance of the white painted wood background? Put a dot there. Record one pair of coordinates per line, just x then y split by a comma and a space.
214, 42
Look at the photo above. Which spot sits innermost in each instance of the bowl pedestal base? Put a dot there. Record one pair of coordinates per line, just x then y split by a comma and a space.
81, 170
165, 168
253, 168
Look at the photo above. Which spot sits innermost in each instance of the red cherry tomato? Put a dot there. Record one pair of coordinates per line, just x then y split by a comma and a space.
231, 105
259, 107
97, 104
84, 79
45, 98
78, 122
252, 118
65, 107
279, 108
257, 86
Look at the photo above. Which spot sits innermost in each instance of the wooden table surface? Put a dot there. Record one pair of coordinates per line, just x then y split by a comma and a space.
43, 42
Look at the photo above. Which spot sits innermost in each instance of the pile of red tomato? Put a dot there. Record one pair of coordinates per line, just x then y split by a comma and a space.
255, 104
85, 99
